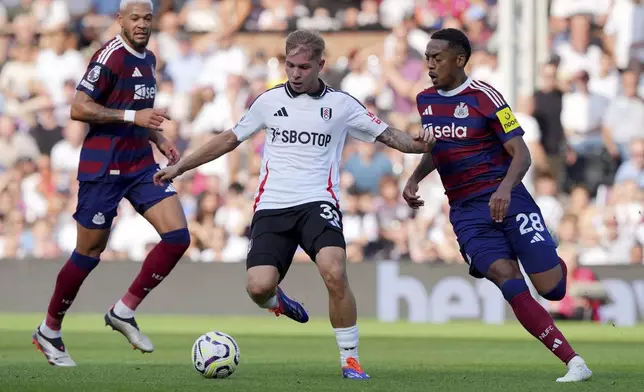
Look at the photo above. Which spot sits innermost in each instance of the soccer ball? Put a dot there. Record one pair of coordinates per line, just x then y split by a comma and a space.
215, 355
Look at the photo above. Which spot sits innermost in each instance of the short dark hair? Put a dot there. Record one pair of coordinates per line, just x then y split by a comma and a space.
456, 40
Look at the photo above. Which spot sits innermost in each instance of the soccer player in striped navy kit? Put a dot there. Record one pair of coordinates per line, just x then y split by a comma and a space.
116, 97
481, 158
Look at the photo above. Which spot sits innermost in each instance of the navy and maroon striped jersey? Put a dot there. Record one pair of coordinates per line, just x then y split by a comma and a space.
470, 123
118, 77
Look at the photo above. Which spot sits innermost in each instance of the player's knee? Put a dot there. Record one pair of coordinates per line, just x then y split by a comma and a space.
92, 249
83, 261
91, 242
260, 290
504, 270
262, 282
179, 239
332, 267
513, 287
557, 293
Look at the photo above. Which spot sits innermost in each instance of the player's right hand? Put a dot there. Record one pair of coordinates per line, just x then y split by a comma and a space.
409, 194
425, 135
151, 118
165, 175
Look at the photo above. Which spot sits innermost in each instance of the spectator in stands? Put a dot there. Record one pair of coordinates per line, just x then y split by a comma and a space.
606, 83
581, 116
405, 76
368, 166
476, 26
525, 115
47, 132
618, 244
580, 54
546, 195
360, 228
624, 112
59, 62
15, 145
624, 32
65, 155
633, 168
359, 82
548, 105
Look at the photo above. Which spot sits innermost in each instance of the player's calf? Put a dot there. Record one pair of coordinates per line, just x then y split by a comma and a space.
157, 265
535, 319
68, 283
331, 262
262, 289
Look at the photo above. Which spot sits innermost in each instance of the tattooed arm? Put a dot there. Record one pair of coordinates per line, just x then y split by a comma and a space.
404, 142
86, 110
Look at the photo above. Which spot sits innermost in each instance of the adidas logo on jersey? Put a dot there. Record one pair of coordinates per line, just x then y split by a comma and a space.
537, 238
281, 113
428, 111
137, 73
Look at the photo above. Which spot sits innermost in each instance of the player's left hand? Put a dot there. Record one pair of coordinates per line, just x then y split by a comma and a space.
499, 203
168, 149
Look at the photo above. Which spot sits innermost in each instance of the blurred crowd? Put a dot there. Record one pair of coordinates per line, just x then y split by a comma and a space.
584, 124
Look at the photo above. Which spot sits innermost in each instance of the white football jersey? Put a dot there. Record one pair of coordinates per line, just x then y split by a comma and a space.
305, 135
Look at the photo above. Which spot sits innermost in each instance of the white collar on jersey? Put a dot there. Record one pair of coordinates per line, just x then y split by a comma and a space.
319, 93
457, 90
129, 48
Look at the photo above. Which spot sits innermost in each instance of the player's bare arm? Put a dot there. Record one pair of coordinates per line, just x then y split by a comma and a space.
521, 161
85, 109
219, 145
404, 142
425, 166
167, 148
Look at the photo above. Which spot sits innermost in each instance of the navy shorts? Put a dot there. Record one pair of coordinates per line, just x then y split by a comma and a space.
98, 201
522, 235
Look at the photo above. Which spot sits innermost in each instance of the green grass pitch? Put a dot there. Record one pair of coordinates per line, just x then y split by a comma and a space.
280, 355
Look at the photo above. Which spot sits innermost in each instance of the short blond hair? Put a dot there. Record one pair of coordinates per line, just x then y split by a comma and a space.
305, 41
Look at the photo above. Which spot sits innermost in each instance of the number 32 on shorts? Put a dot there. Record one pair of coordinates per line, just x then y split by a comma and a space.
331, 215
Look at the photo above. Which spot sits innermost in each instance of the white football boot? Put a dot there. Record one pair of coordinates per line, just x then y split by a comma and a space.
53, 349
577, 371
130, 330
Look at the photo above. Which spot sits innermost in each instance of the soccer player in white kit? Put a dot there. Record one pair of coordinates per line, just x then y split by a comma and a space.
296, 203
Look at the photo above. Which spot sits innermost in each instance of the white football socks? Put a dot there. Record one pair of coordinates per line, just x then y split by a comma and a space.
48, 332
122, 311
347, 342
271, 303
